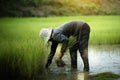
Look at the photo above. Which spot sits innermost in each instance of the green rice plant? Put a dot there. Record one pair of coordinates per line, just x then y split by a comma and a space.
105, 31
22, 59
22, 52
105, 76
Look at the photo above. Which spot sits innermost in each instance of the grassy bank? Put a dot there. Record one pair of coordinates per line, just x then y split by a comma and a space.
105, 76
22, 52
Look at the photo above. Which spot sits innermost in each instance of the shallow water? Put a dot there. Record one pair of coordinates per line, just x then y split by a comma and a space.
103, 58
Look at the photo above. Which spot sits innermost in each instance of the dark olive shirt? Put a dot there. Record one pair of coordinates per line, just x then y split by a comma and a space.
63, 32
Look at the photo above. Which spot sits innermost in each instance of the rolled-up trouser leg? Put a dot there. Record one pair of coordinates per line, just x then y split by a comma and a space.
84, 56
83, 45
73, 54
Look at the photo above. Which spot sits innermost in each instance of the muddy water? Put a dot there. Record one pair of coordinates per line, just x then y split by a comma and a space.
103, 58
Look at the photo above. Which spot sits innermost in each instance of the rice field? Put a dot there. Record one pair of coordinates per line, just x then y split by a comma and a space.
22, 52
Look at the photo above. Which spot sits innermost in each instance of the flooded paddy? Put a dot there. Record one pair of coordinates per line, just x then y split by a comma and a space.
102, 58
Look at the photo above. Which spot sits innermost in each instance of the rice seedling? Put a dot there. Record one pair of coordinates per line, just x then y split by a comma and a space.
22, 52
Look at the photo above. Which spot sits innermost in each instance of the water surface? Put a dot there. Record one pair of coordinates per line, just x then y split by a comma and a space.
102, 58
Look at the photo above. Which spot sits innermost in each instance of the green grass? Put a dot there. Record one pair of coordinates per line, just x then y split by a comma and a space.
23, 53
22, 58
105, 76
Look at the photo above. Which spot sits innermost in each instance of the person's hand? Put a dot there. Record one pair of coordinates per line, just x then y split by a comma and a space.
60, 63
60, 55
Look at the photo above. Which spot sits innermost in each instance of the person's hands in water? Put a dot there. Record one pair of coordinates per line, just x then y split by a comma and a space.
60, 63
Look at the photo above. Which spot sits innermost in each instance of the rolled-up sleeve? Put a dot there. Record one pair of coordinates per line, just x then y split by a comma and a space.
62, 39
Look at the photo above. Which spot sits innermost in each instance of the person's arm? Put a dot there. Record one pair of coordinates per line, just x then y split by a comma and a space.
64, 46
62, 39
52, 53
59, 61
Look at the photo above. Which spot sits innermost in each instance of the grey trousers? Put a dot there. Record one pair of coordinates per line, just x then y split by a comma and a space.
82, 46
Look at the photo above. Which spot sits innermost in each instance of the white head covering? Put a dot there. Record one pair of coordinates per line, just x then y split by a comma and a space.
45, 33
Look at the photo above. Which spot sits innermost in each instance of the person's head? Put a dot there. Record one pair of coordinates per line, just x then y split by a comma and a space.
45, 33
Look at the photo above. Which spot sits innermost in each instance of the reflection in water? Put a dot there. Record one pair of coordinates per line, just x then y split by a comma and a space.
80, 76
104, 59
73, 75
101, 58
83, 76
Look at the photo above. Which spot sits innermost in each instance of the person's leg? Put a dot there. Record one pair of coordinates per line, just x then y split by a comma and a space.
52, 53
84, 55
73, 54
83, 45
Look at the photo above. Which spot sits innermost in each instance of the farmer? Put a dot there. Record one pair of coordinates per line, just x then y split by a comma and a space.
78, 29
